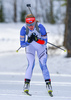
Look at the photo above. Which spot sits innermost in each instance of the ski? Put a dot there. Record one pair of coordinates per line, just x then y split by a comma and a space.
27, 93
50, 93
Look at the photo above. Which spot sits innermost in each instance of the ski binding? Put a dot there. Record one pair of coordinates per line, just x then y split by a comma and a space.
27, 93
50, 93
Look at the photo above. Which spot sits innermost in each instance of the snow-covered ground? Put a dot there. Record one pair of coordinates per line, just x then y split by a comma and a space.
13, 66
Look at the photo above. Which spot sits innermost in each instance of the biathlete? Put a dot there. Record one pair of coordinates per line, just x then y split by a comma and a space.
33, 36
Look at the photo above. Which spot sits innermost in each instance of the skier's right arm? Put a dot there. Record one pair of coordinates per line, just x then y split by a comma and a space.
23, 43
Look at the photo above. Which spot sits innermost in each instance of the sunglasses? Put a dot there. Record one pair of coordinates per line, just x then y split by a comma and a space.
32, 24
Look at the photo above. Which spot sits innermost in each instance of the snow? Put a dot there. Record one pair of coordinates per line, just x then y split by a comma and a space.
13, 66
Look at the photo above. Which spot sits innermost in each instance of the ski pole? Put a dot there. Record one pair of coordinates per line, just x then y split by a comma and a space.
29, 5
56, 46
21, 47
18, 49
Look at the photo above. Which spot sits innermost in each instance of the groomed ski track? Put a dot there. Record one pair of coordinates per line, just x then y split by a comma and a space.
11, 87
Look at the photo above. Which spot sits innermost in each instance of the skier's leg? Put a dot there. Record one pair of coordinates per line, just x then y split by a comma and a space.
31, 62
30, 52
42, 55
43, 60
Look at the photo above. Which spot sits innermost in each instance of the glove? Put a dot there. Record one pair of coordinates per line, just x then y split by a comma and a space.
30, 39
35, 38
38, 40
25, 44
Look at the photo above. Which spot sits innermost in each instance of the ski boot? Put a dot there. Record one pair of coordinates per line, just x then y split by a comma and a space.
49, 87
26, 87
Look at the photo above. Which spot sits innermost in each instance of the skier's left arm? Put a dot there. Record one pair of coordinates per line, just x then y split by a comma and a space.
43, 33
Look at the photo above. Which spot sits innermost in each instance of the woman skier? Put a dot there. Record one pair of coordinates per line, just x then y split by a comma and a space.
33, 36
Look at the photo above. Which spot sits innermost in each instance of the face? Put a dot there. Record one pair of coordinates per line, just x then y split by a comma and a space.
31, 26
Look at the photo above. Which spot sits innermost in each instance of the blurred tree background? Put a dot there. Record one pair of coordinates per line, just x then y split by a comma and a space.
49, 11
1, 12
67, 35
